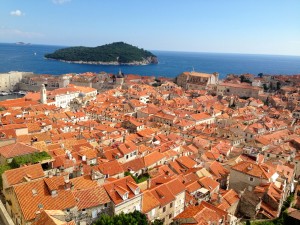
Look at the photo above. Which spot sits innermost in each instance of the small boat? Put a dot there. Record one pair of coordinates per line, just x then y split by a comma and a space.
22, 93
3, 93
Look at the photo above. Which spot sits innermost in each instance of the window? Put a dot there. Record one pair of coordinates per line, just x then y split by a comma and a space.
251, 179
170, 216
171, 204
105, 205
125, 196
164, 209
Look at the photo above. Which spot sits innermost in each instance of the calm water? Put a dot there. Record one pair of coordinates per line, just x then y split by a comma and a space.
30, 58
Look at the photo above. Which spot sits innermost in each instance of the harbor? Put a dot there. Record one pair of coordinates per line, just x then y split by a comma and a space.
11, 95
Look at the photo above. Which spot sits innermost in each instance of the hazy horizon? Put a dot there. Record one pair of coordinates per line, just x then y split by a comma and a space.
157, 50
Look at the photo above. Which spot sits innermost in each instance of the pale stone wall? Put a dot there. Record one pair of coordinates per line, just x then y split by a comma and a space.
179, 203
167, 213
5, 216
9, 80
153, 214
129, 205
241, 91
239, 181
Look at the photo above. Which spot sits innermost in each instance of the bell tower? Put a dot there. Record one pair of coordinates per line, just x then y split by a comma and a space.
43, 95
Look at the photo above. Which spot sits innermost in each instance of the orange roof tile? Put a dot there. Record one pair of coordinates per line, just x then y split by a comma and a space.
149, 202
19, 175
17, 149
253, 169
92, 197
114, 186
32, 194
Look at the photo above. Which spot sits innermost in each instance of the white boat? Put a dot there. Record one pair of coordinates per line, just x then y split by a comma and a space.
3, 93
22, 93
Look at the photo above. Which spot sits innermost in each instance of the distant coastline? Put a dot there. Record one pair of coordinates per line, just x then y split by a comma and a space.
171, 63
22, 43
114, 63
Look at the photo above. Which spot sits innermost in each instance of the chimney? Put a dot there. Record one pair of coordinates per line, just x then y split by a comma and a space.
67, 185
219, 198
241, 194
148, 183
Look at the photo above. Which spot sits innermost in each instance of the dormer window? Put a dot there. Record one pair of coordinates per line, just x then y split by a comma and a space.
137, 191
34, 192
54, 193
125, 196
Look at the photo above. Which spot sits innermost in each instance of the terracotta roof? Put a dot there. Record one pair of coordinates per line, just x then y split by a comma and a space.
257, 170
217, 169
175, 186
32, 194
208, 183
121, 184
52, 217
134, 165
186, 162
92, 197
22, 174
230, 196
203, 213
83, 182
163, 194
111, 168
17, 149
153, 158
149, 202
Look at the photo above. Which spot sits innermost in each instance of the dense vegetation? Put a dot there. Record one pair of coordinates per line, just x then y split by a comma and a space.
29, 159
119, 52
134, 218
138, 179
21, 160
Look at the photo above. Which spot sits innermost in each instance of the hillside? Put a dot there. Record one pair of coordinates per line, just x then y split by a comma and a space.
115, 53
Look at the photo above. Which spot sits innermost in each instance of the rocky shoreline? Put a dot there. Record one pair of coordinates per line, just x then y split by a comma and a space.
148, 61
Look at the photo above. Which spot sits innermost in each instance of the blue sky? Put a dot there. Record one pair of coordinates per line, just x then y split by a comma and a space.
231, 26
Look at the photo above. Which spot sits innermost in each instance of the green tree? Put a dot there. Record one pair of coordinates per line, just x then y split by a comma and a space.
134, 218
104, 220
157, 222
115, 52
278, 85
3, 168
140, 218
29, 159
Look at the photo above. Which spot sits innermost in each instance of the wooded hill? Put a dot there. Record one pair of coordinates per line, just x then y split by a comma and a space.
118, 52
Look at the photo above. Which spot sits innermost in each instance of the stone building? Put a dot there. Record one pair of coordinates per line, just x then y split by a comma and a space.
197, 81
33, 82
240, 90
9, 80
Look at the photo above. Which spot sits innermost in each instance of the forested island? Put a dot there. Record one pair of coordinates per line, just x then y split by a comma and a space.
118, 53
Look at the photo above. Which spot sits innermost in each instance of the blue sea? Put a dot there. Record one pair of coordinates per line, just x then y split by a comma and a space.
30, 58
